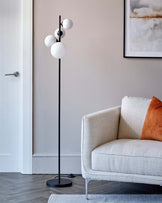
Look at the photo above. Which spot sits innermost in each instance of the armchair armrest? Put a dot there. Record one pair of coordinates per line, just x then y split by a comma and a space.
97, 129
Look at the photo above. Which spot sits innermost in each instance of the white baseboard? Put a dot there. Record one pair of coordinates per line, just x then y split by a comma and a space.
47, 164
8, 164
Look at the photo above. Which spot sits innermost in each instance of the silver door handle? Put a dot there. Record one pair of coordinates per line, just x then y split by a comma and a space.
16, 74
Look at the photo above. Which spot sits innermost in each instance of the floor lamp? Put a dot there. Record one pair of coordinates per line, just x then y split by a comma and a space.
58, 51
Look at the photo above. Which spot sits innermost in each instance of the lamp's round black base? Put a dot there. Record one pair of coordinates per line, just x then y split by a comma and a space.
55, 183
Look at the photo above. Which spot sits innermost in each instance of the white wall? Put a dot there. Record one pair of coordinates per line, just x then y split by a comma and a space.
94, 75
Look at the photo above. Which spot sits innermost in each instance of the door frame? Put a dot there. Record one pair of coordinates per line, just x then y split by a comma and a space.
27, 87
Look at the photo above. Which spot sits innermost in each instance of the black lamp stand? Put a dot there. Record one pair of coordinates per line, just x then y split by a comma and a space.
59, 182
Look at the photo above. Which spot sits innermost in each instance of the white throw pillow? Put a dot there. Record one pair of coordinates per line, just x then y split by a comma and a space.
133, 112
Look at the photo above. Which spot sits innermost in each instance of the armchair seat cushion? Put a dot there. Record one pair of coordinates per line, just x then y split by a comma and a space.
130, 156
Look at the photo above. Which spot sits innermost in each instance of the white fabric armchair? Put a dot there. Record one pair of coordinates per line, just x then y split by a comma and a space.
109, 152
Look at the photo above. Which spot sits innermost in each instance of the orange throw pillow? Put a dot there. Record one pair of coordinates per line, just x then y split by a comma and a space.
152, 128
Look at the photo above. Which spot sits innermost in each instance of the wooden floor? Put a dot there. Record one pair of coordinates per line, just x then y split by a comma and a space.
16, 188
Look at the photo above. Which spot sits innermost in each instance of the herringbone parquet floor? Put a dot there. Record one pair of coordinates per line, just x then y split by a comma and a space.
18, 188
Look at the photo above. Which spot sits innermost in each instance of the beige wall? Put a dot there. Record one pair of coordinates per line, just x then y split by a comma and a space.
94, 73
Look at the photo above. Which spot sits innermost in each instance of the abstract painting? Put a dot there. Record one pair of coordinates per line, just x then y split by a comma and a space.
143, 28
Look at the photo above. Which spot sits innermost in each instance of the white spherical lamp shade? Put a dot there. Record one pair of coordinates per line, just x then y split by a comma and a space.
57, 33
49, 40
67, 24
58, 50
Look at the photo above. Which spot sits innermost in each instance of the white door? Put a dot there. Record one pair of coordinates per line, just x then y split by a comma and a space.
10, 86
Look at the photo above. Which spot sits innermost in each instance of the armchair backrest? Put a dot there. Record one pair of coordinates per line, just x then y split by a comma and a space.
133, 112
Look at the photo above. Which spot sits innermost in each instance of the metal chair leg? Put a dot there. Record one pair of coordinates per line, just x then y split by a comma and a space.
86, 187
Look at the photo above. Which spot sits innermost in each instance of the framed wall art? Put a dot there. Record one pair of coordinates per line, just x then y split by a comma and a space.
143, 28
